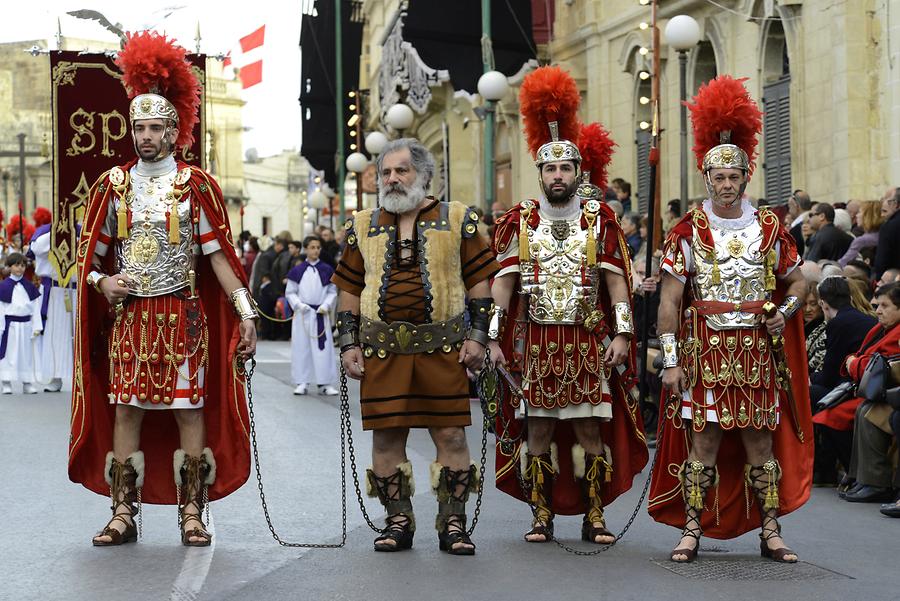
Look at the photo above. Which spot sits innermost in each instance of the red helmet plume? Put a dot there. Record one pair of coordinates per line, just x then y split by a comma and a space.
154, 64
12, 228
596, 149
723, 112
41, 216
549, 94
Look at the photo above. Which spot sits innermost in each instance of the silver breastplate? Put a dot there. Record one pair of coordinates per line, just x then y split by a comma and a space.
741, 273
557, 292
154, 264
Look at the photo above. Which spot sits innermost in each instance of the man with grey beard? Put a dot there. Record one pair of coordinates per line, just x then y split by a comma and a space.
404, 332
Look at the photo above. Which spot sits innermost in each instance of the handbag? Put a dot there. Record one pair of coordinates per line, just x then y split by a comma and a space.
873, 382
839, 394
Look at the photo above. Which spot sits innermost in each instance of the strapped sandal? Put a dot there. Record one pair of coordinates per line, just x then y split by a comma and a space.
452, 488
395, 493
193, 476
538, 473
763, 479
125, 481
591, 471
696, 479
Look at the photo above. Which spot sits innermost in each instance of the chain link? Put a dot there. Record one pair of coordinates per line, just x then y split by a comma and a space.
502, 439
345, 438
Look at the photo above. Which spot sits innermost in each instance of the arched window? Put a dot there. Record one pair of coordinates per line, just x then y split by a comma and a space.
776, 76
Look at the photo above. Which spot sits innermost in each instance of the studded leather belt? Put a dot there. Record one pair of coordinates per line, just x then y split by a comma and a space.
404, 338
719, 307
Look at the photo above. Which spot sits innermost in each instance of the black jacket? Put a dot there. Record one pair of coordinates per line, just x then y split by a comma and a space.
830, 243
887, 255
797, 233
843, 336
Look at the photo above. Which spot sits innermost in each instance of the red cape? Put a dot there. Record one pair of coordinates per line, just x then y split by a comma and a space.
225, 407
623, 434
666, 504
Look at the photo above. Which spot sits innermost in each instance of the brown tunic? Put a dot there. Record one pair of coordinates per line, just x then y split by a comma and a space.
419, 390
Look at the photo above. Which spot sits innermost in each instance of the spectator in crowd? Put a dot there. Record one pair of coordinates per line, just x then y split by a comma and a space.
262, 265
830, 268
814, 327
671, 215
272, 270
861, 296
854, 207
624, 195
799, 204
251, 251
870, 466
829, 242
892, 510
812, 272
858, 270
631, 227
295, 250
617, 208
843, 221
330, 247
845, 330
888, 254
869, 220
891, 275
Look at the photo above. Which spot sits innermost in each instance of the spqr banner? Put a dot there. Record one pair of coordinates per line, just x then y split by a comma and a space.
90, 135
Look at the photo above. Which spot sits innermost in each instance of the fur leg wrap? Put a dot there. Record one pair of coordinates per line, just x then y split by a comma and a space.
394, 491
193, 476
452, 488
125, 480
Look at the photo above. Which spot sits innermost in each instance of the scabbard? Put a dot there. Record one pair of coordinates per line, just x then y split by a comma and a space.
784, 371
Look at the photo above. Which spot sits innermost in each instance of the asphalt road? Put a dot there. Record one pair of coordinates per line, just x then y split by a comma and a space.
847, 551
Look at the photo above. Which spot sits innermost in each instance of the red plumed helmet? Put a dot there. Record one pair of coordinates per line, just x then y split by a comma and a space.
12, 228
41, 216
549, 94
596, 149
154, 64
723, 112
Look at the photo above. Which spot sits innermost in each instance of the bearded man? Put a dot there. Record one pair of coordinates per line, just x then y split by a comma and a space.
404, 332
156, 389
565, 257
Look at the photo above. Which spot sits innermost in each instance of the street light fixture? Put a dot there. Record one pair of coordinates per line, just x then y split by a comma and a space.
683, 34
375, 142
492, 86
399, 116
317, 201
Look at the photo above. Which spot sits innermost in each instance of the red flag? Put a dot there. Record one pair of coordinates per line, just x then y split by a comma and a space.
227, 61
251, 74
254, 40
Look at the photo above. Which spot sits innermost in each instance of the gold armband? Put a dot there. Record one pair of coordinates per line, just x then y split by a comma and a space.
244, 305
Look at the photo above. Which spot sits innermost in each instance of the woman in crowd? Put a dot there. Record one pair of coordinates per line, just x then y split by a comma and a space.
869, 219
814, 328
869, 471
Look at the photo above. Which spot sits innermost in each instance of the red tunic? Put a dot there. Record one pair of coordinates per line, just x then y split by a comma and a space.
225, 409
624, 433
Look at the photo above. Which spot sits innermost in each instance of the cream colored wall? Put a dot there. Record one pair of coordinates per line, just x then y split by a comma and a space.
269, 194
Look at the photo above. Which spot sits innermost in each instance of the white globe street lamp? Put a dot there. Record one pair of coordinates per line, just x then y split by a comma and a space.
683, 34
399, 116
317, 200
357, 162
493, 86
375, 142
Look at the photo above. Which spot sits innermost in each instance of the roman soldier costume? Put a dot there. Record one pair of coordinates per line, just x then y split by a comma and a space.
739, 376
171, 343
564, 319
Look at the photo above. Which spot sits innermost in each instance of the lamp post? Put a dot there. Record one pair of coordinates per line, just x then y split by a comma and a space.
492, 86
357, 163
317, 201
683, 34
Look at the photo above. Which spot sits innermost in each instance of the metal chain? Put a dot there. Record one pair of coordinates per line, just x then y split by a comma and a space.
345, 437
505, 440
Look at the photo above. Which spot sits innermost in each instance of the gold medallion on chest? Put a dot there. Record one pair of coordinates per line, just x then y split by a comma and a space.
144, 249
736, 247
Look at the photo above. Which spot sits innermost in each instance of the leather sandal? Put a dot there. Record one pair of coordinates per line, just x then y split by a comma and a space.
540, 528
398, 531
448, 538
129, 535
777, 555
690, 554
589, 532
196, 532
